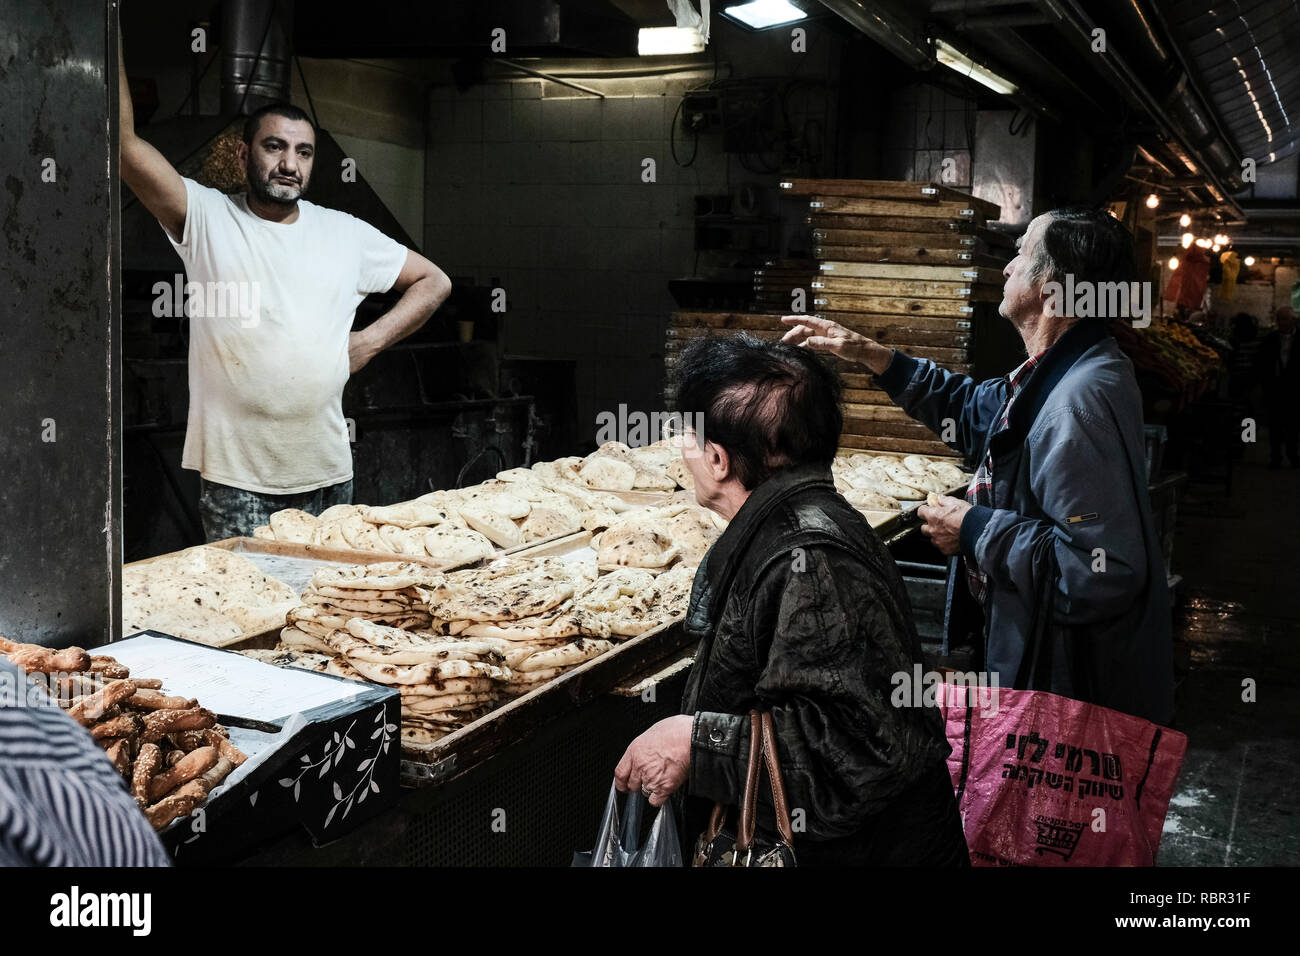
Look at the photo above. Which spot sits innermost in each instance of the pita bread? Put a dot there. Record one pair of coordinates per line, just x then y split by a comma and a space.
408, 514
504, 500
353, 527
693, 531
204, 594
506, 590
423, 673
296, 525
358, 607
637, 548
609, 592
549, 523
680, 474
497, 528
375, 643
403, 595
408, 541
566, 655
948, 473
425, 706
608, 473
380, 576
293, 638
193, 623
517, 474
864, 499
421, 739
924, 482
339, 667
452, 547
316, 615
522, 683
257, 620
264, 532
453, 685
887, 486
455, 719
304, 660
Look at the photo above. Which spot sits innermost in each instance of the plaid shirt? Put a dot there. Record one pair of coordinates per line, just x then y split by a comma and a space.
980, 491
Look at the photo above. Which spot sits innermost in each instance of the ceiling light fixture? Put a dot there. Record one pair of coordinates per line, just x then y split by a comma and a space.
764, 14
664, 41
1152, 201
1173, 262
1184, 220
1249, 260
1187, 240
954, 59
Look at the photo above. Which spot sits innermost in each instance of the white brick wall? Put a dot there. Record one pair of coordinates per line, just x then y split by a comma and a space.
546, 194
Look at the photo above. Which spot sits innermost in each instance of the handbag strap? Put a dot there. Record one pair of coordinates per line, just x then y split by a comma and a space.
749, 803
718, 818
762, 752
778, 784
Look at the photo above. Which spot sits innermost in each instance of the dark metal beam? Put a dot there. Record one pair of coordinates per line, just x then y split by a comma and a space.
60, 431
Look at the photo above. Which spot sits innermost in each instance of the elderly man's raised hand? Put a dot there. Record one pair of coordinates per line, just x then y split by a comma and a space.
823, 335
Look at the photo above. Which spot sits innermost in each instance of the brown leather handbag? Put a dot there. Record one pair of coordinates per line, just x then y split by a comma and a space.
718, 846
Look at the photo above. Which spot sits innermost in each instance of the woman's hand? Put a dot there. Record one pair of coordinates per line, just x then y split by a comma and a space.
823, 335
657, 762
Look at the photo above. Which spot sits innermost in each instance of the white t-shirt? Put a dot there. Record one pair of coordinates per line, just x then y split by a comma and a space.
271, 306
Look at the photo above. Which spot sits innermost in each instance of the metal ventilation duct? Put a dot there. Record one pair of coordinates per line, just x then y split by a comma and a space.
255, 57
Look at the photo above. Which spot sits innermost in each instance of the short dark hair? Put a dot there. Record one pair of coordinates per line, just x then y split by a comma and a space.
287, 110
770, 405
1090, 244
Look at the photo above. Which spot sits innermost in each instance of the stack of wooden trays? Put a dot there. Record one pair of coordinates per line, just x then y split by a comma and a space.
909, 264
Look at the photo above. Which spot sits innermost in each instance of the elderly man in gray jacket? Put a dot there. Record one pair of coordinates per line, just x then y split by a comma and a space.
1059, 547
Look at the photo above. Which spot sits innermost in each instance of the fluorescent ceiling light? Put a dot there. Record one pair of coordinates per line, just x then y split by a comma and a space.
761, 14
661, 41
954, 59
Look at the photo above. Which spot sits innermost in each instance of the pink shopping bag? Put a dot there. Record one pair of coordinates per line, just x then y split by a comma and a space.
1043, 780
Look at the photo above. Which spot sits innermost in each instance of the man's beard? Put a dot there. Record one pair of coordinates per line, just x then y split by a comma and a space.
281, 194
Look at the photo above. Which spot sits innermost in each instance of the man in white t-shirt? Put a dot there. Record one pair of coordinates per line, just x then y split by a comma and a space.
273, 286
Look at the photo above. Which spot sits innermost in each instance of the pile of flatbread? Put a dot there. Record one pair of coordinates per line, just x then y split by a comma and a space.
490, 633
884, 482
203, 594
457, 527
382, 593
655, 538
615, 466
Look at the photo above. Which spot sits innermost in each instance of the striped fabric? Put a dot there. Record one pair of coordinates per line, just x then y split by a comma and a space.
980, 491
61, 801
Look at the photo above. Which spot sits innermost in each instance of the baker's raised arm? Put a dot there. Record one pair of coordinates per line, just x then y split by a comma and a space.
155, 182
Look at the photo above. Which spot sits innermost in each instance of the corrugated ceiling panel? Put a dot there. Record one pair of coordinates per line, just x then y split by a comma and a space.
1246, 59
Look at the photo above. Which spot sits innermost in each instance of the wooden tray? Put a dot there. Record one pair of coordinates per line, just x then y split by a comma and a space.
909, 191
854, 206
909, 288
831, 220
889, 270
945, 239
909, 255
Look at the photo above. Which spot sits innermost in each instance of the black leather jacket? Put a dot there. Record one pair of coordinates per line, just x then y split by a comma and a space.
801, 611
